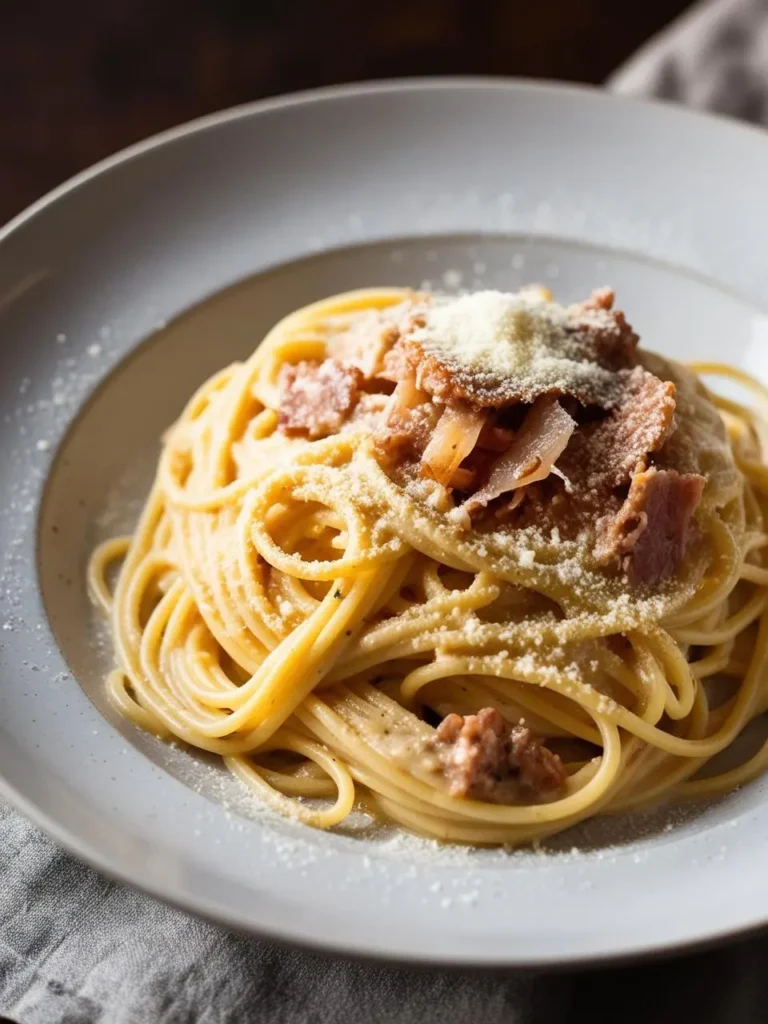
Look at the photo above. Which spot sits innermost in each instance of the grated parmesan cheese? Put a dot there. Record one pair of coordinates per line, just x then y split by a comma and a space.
520, 337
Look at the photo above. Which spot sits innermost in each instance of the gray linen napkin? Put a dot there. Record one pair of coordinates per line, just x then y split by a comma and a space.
714, 57
76, 948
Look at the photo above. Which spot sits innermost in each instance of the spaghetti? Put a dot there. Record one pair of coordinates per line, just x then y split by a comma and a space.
471, 565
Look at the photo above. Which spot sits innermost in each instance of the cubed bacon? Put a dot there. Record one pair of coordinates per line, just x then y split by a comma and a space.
604, 331
394, 365
364, 344
397, 364
648, 535
475, 753
604, 454
486, 760
367, 339
601, 335
440, 380
541, 770
315, 399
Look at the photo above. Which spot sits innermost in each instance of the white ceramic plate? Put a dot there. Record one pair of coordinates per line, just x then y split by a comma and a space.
217, 229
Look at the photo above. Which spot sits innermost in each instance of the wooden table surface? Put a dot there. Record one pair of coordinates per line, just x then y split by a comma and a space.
80, 80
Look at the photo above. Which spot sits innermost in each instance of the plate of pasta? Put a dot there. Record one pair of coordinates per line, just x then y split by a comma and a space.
384, 560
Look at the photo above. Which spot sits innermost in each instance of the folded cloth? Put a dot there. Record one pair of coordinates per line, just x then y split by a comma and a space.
76, 948
714, 57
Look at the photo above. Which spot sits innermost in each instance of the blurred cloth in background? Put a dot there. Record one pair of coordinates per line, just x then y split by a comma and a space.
81, 80
714, 58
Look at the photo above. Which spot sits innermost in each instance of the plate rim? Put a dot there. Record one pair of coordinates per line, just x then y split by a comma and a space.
190, 902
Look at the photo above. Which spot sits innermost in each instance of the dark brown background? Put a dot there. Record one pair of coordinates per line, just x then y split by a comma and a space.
81, 79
